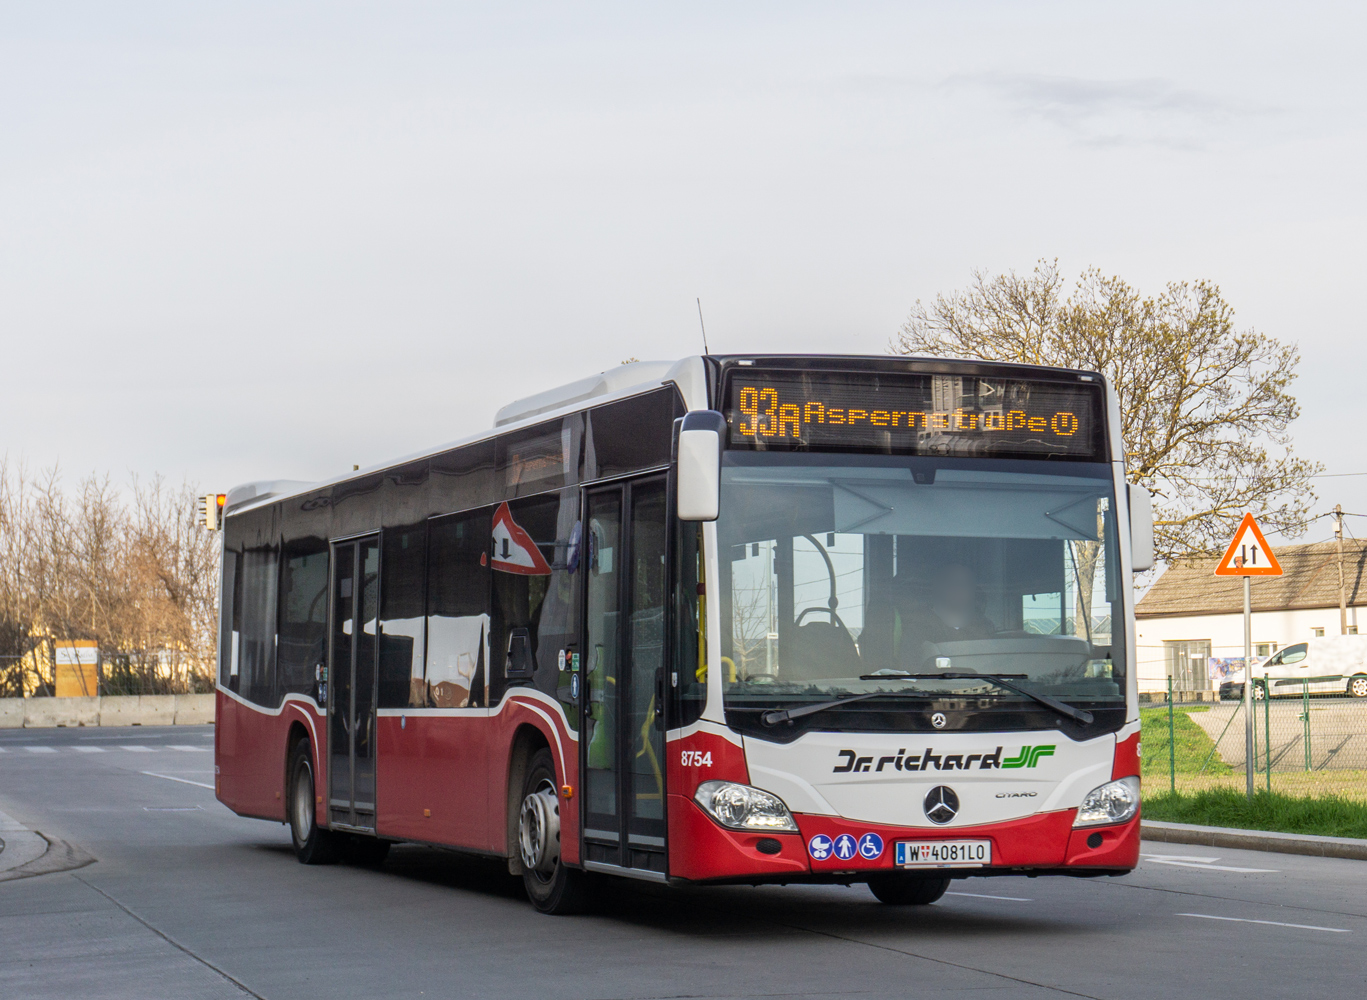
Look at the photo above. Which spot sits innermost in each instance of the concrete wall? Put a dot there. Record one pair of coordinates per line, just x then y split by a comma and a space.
126, 710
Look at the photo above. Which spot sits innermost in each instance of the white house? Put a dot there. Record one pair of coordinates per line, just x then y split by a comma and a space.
1191, 616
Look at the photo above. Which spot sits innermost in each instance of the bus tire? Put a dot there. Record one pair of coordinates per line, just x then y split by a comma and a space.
312, 844
898, 889
551, 886
1357, 686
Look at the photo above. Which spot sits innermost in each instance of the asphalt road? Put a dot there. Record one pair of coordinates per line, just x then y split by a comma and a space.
187, 900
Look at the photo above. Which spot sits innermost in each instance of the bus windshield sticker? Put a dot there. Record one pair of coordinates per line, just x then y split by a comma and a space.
914, 414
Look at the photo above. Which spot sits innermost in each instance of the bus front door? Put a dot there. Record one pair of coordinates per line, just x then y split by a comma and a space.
351, 688
623, 729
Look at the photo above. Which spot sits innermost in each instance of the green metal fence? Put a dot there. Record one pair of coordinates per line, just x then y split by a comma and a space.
1304, 743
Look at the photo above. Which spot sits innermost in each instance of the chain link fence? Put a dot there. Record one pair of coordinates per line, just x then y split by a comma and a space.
1305, 742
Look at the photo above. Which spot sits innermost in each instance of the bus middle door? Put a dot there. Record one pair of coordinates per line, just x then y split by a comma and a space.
353, 653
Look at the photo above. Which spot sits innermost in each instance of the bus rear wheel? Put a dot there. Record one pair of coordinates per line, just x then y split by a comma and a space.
1357, 686
899, 889
312, 844
551, 886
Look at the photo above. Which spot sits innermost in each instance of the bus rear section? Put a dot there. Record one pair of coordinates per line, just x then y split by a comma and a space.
749, 620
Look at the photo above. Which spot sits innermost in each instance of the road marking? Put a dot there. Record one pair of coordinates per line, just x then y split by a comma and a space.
138, 749
1179, 857
183, 746
172, 778
172, 809
88, 749
1209, 867
1270, 923
980, 895
40, 749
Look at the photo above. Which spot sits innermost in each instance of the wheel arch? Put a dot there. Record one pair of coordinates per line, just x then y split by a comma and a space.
527, 740
296, 730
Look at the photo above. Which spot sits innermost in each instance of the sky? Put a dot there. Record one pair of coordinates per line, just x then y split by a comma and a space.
255, 241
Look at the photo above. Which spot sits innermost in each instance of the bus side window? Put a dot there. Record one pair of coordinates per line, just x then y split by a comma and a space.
544, 604
230, 624
256, 660
402, 628
457, 611
302, 642
688, 669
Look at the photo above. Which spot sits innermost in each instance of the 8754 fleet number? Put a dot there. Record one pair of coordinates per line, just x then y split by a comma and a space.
696, 758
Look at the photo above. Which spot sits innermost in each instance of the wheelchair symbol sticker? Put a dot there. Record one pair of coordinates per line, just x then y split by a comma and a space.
871, 846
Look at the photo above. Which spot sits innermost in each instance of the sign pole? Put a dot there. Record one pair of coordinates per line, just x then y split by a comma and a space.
1248, 556
1248, 683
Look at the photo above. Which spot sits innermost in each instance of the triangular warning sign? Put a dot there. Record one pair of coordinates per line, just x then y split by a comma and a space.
1249, 554
514, 550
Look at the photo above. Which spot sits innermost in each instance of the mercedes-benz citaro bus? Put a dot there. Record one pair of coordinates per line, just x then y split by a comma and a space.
750, 619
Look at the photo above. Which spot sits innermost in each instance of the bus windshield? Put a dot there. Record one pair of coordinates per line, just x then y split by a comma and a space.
843, 574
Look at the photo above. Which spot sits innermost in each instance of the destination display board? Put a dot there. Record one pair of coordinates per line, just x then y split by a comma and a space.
914, 414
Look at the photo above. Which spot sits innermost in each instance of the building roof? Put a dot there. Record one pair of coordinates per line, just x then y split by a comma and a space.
1310, 580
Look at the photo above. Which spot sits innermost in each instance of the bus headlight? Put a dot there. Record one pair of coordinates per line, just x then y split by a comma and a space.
742, 807
1114, 802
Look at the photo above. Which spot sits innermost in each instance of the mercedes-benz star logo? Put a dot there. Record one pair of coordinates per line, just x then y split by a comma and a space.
938, 720
941, 804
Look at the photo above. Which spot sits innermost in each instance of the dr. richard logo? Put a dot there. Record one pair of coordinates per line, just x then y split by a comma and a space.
850, 760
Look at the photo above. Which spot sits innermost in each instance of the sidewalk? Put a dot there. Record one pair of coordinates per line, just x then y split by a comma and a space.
1254, 840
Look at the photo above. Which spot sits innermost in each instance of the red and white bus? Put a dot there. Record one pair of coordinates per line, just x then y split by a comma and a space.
760, 619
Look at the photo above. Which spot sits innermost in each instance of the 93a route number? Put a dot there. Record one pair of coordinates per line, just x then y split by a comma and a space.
696, 758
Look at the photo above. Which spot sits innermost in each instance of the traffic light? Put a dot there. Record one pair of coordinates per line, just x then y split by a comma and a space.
211, 511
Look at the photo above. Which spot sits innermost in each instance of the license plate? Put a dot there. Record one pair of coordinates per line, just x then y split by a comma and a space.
943, 853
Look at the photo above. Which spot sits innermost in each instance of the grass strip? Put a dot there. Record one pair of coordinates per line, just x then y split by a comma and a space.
1193, 749
1325, 816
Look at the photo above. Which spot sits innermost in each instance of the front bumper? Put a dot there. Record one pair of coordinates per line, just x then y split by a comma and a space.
702, 851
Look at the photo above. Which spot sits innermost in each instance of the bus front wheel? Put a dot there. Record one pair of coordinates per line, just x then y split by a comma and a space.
899, 889
1357, 686
551, 886
312, 844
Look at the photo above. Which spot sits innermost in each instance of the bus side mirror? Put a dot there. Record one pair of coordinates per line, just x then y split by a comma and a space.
697, 454
1141, 529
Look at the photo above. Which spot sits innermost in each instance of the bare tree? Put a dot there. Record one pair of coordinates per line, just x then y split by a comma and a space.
131, 571
1204, 407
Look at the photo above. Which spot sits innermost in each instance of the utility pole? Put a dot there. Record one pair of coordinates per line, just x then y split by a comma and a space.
1343, 593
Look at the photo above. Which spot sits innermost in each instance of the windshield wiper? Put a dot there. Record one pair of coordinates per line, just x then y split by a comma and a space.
1062, 707
788, 714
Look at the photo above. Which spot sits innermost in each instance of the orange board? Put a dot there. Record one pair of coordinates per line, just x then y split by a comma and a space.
1249, 554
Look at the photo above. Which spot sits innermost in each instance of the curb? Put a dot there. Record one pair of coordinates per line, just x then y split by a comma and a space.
1255, 840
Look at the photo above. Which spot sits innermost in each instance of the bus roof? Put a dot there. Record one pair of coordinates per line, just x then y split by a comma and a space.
689, 374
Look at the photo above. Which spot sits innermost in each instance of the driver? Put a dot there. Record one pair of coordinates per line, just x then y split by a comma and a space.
950, 615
